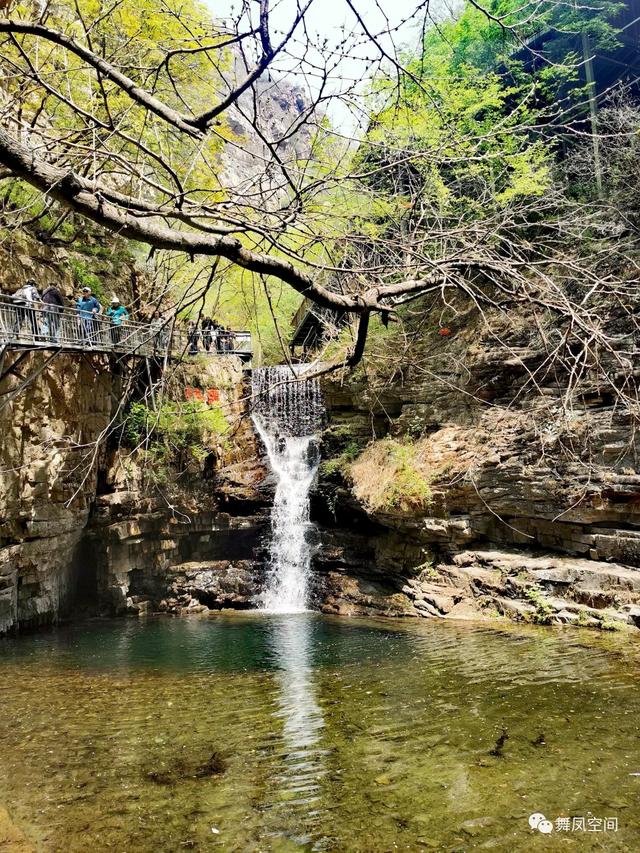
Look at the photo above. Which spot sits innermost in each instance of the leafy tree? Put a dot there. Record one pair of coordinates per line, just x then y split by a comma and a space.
130, 119
486, 35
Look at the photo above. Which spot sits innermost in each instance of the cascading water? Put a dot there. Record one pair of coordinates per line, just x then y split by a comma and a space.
287, 414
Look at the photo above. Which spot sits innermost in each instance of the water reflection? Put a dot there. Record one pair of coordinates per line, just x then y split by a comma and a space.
297, 782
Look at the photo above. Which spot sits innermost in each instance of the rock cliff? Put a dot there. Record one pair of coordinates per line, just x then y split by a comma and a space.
84, 528
457, 481
48, 477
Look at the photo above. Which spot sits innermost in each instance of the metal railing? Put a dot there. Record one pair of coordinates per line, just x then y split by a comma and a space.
218, 341
41, 326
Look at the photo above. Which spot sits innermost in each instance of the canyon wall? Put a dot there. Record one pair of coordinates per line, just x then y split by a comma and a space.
50, 455
86, 527
453, 485
457, 481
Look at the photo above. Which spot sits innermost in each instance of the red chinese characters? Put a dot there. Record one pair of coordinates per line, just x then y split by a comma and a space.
208, 396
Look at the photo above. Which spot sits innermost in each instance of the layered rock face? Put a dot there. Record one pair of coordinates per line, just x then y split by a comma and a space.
211, 512
50, 454
83, 530
503, 501
450, 487
91, 259
189, 557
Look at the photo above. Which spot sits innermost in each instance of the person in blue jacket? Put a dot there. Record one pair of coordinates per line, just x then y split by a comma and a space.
88, 309
118, 314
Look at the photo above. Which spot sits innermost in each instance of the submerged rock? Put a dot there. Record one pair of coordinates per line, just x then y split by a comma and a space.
11, 838
475, 826
184, 769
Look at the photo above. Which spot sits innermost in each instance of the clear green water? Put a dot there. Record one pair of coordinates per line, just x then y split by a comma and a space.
326, 734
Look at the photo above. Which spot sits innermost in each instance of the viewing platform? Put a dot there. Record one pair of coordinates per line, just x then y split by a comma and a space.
40, 326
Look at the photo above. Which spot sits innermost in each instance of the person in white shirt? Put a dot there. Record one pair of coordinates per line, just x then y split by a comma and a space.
26, 299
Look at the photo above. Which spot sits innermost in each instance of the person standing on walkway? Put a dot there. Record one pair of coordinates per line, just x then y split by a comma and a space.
225, 339
88, 309
161, 328
192, 337
26, 299
221, 338
207, 332
53, 304
118, 314
215, 334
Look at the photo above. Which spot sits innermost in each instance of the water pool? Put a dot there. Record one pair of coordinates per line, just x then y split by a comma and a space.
258, 732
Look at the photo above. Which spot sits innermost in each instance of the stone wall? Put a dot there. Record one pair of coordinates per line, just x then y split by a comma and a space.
161, 561
50, 455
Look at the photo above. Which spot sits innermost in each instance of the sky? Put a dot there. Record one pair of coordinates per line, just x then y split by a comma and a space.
328, 22
327, 15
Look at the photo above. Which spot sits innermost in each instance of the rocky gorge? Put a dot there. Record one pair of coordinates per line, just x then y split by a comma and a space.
449, 487
319, 462
453, 486
430, 502
84, 530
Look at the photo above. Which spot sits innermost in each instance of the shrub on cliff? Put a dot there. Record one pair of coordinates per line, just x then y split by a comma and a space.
175, 435
391, 475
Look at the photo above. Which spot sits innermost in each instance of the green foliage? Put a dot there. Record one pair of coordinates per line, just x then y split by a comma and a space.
241, 302
84, 277
145, 40
456, 135
453, 147
426, 569
181, 423
415, 427
238, 300
339, 433
138, 35
174, 435
21, 198
409, 485
391, 474
482, 42
606, 623
21, 203
339, 465
469, 156
543, 610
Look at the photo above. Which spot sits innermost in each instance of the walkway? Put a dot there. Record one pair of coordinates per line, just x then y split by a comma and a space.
44, 327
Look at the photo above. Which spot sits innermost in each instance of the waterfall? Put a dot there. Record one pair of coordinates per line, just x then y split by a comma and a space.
287, 413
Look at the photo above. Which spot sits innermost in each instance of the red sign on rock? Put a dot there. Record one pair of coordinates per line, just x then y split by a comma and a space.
209, 395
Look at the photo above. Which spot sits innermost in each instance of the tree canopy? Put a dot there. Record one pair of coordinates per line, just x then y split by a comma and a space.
218, 142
